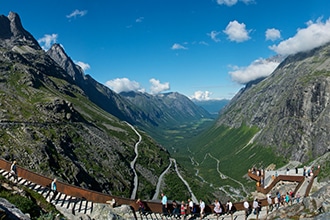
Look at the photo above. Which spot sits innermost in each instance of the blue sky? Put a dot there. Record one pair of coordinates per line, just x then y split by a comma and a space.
206, 49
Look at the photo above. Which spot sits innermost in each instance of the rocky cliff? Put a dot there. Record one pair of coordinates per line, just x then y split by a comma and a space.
12, 33
290, 107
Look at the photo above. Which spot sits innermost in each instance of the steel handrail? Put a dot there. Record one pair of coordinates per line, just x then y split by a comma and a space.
98, 197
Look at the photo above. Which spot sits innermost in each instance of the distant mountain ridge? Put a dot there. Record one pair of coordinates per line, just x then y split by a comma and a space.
213, 106
149, 112
167, 108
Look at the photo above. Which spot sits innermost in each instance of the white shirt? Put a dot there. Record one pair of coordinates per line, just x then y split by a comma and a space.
269, 200
246, 205
202, 205
255, 204
230, 204
217, 208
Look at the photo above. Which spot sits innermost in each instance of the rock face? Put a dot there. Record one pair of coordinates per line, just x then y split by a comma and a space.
57, 53
11, 212
315, 206
319, 201
101, 212
290, 107
12, 33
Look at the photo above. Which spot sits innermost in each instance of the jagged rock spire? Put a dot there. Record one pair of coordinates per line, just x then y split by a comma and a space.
57, 53
13, 34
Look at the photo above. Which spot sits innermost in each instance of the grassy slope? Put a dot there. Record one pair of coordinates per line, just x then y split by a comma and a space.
230, 147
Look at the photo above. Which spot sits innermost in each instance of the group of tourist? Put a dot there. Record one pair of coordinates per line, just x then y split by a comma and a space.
284, 199
309, 172
184, 209
256, 207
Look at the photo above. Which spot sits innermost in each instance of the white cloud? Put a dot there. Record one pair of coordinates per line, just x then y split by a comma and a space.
237, 31
233, 2
139, 20
76, 13
214, 36
47, 41
227, 2
123, 85
248, 1
203, 43
201, 95
314, 35
257, 69
84, 66
157, 87
177, 46
273, 34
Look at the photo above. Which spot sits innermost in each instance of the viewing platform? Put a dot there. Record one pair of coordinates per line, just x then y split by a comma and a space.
266, 180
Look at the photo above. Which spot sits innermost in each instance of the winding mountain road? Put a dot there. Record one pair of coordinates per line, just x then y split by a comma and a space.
222, 176
136, 179
193, 197
160, 179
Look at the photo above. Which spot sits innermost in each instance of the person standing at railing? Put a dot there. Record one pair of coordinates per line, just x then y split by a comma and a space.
229, 206
276, 202
217, 208
141, 206
190, 209
247, 209
270, 203
176, 209
256, 206
13, 171
53, 189
164, 204
183, 210
201, 208
297, 196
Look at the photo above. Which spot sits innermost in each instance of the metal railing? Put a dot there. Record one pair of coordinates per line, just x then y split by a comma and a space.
151, 206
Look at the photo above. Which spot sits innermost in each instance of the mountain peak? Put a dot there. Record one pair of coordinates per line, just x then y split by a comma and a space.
13, 34
16, 26
57, 53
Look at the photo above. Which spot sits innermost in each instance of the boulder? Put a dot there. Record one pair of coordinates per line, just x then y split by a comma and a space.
10, 211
